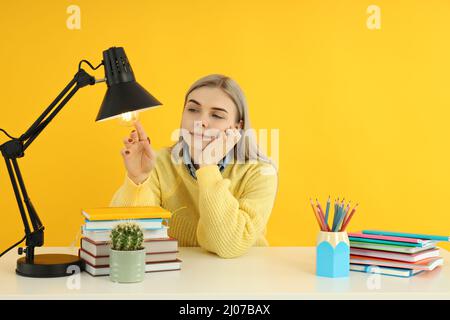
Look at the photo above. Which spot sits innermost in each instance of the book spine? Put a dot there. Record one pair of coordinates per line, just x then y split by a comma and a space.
408, 235
389, 238
405, 244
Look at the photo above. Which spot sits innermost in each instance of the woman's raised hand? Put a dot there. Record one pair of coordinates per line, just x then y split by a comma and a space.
138, 155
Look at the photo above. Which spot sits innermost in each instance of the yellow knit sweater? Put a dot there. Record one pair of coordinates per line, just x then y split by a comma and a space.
223, 212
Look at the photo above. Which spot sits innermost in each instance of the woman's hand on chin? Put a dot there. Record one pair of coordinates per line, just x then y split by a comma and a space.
219, 147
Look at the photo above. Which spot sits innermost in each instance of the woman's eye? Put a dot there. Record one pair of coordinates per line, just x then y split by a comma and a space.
192, 110
217, 116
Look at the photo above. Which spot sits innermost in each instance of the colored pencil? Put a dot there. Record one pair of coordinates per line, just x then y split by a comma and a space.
337, 215
327, 211
349, 217
334, 214
341, 218
341, 215
317, 215
322, 216
345, 215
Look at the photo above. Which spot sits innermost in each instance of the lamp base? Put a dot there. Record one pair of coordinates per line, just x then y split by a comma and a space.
49, 266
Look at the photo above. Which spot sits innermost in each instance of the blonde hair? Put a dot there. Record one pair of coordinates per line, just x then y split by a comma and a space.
247, 148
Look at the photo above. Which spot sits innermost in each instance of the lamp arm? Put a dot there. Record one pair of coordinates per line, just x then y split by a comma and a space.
13, 149
81, 79
38, 121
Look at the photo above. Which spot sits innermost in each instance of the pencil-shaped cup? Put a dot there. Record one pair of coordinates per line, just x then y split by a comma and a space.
332, 254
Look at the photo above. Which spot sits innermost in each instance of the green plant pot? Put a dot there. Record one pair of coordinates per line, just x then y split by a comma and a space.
127, 266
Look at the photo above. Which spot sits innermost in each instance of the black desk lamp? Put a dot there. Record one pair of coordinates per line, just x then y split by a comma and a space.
124, 95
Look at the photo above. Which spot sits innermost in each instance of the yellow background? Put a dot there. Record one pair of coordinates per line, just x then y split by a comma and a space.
361, 113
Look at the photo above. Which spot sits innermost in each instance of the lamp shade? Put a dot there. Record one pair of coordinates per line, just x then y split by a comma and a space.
124, 94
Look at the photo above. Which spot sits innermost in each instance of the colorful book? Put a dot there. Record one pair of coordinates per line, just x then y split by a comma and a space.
98, 225
101, 248
431, 253
398, 272
426, 264
388, 238
104, 235
391, 248
104, 260
407, 235
125, 213
397, 243
149, 267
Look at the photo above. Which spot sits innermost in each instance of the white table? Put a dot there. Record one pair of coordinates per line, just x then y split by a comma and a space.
263, 273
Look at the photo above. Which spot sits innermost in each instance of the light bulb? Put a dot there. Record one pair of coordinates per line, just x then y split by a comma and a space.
128, 118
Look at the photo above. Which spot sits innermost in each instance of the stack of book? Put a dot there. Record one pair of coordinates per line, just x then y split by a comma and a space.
394, 253
161, 250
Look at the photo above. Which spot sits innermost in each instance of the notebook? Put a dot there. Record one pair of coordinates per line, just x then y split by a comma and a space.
407, 235
104, 260
151, 246
124, 213
426, 264
104, 235
389, 247
398, 243
110, 224
404, 273
431, 253
149, 267
388, 238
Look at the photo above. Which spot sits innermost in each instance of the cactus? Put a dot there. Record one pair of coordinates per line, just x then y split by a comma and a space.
127, 236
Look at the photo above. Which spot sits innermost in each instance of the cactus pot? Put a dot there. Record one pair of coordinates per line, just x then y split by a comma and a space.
127, 266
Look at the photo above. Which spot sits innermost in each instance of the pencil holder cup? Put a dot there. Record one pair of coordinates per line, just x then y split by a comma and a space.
332, 254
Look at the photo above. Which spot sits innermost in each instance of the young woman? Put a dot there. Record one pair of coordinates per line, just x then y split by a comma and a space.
218, 186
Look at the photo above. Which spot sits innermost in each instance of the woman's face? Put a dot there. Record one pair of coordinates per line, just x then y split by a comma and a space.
207, 112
